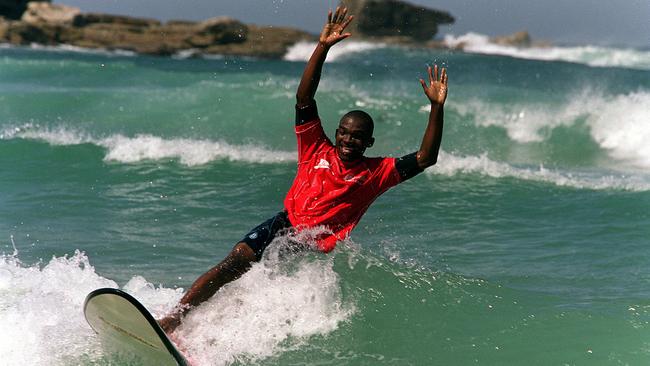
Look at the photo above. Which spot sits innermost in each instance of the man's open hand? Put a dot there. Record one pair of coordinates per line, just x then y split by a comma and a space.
436, 89
333, 31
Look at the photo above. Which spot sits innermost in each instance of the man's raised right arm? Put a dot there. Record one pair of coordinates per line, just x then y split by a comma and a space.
332, 33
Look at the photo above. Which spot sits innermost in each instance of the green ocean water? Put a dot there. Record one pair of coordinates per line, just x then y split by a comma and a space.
528, 243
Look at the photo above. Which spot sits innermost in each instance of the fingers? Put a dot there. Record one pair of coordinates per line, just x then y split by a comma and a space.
424, 85
433, 74
336, 14
344, 35
345, 24
342, 15
339, 16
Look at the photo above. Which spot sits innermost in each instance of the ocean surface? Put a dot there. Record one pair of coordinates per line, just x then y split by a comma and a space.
527, 244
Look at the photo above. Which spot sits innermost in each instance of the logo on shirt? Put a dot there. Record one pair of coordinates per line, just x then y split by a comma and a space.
322, 164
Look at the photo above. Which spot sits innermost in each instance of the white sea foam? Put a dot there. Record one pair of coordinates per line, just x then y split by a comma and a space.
56, 137
275, 306
588, 55
188, 151
77, 49
138, 148
41, 311
451, 165
301, 51
619, 124
523, 122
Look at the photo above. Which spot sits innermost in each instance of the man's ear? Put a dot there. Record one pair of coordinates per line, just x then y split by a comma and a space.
370, 142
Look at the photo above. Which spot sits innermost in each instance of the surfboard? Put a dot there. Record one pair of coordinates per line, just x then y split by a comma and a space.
126, 328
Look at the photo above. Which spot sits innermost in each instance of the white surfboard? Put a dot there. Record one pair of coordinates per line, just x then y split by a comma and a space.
128, 329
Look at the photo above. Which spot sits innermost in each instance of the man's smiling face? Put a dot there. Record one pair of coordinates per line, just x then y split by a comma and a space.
354, 136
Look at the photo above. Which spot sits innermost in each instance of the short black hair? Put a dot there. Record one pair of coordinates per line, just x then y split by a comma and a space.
362, 116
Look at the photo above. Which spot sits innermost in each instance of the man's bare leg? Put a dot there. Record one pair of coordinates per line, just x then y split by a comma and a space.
239, 261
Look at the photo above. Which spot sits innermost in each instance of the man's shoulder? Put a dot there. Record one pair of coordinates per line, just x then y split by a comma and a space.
304, 127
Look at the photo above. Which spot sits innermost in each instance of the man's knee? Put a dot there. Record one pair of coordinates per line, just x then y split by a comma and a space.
243, 252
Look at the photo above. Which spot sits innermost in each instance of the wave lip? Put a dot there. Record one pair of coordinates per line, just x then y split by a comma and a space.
618, 124
621, 127
301, 51
451, 165
588, 55
142, 147
190, 152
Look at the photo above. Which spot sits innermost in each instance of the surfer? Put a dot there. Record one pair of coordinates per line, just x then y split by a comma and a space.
335, 183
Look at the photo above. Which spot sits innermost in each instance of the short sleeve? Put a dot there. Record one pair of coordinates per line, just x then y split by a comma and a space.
407, 166
309, 131
306, 113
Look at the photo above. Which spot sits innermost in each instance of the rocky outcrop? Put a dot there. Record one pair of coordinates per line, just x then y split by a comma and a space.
14, 9
389, 21
150, 36
46, 13
53, 24
393, 20
518, 39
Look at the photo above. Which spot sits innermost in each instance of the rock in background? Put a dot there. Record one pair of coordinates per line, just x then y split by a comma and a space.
395, 21
54, 24
45, 23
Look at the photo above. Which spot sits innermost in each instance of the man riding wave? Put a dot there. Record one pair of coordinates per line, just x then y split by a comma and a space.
335, 183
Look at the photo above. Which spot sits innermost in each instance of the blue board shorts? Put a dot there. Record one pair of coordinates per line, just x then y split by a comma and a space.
263, 234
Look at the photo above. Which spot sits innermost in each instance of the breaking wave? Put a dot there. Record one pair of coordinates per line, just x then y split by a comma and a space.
619, 124
301, 51
588, 55
451, 165
144, 147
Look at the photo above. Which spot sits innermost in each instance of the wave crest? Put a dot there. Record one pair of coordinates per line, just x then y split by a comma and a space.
142, 147
618, 124
301, 51
451, 165
190, 152
588, 55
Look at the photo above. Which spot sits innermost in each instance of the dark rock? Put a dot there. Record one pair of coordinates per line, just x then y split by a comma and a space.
85, 19
395, 21
176, 22
25, 33
263, 41
220, 30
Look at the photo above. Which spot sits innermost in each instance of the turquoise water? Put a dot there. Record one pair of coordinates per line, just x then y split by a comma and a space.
528, 243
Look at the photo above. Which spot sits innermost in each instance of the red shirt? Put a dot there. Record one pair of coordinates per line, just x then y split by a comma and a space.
329, 192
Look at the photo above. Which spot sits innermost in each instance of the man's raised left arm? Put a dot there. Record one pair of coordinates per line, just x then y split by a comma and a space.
436, 91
